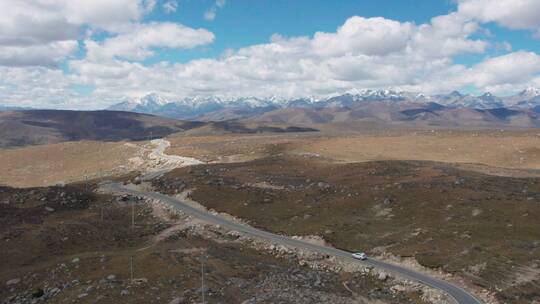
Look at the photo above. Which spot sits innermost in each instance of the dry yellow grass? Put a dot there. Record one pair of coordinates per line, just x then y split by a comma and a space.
66, 162
493, 152
508, 150
230, 147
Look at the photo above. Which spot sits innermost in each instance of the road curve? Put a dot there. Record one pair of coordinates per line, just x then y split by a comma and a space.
166, 162
460, 295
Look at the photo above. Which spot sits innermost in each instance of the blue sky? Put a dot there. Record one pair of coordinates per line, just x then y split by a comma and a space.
242, 23
89, 54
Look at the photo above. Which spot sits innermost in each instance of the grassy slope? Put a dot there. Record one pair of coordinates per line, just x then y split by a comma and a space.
39, 247
483, 227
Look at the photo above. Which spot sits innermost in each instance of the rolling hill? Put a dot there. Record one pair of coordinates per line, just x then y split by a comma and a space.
388, 114
31, 127
35, 127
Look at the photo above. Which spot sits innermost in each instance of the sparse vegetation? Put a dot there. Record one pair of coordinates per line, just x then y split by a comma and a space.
67, 244
419, 195
480, 227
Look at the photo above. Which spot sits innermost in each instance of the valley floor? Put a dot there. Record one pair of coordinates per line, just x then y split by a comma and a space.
464, 203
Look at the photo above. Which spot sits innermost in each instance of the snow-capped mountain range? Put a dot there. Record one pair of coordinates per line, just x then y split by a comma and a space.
201, 107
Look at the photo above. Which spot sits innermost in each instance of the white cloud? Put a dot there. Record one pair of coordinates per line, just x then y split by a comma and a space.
513, 68
369, 36
352, 57
210, 14
170, 6
362, 53
46, 54
138, 43
448, 35
35, 86
514, 14
112, 16
44, 32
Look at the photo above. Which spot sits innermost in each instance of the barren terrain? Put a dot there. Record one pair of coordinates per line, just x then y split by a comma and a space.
464, 203
479, 227
63, 163
497, 152
509, 153
66, 244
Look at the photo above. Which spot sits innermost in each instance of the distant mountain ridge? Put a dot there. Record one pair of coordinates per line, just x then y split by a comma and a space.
12, 108
408, 115
216, 108
38, 127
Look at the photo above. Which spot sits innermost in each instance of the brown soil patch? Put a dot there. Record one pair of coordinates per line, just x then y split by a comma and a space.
506, 153
510, 151
442, 216
66, 162
86, 258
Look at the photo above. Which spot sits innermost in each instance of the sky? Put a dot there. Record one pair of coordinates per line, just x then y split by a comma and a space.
89, 54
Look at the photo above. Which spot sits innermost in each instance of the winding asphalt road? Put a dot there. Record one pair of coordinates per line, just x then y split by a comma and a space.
460, 295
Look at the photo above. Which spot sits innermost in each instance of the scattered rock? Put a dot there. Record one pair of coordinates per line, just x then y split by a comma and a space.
178, 300
382, 276
111, 277
13, 282
124, 292
38, 293
49, 209
54, 291
140, 281
323, 185
75, 260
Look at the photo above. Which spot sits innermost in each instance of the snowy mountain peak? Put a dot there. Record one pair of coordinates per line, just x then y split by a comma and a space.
455, 94
153, 99
487, 95
199, 106
530, 92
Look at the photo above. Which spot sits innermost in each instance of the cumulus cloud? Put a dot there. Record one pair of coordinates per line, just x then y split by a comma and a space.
361, 53
113, 16
34, 55
513, 68
35, 86
43, 32
354, 56
369, 36
138, 43
170, 6
513, 14
210, 14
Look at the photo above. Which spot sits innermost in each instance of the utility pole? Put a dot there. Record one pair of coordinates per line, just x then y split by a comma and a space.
86, 181
131, 267
133, 215
202, 279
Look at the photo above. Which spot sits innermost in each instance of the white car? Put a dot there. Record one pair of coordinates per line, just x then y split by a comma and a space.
360, 255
